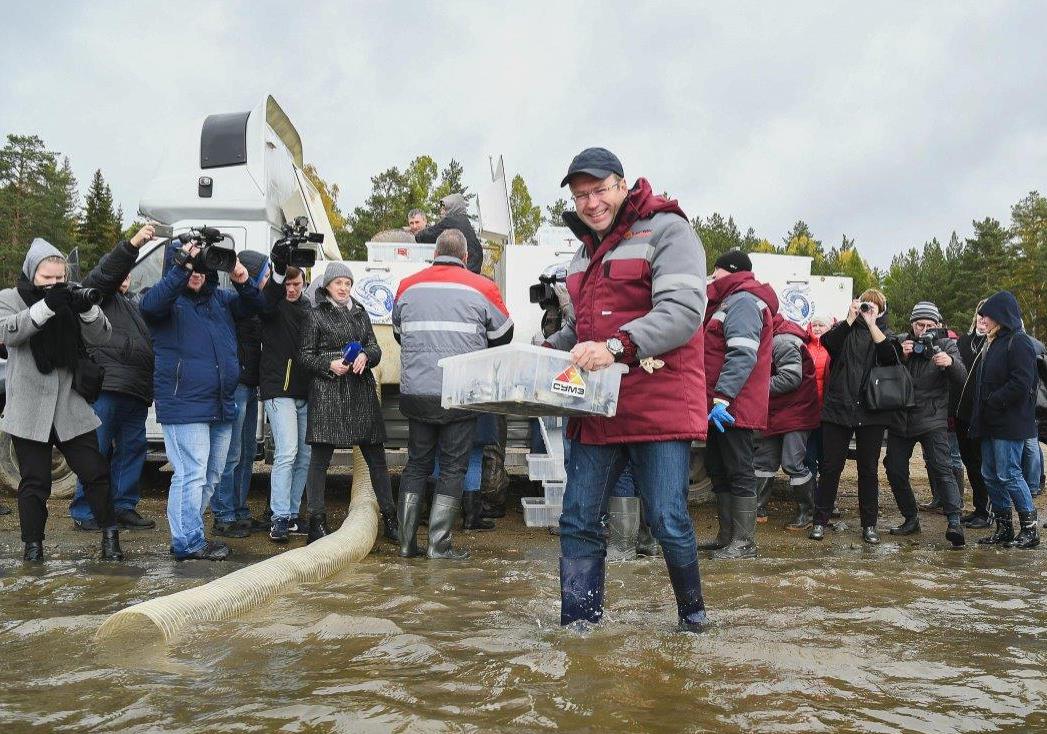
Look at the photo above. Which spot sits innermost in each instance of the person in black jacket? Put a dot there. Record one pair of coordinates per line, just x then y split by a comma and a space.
970, 346
453, 216
855, 345
1003, 415
284, 390
127, 388
232, 517
933, 370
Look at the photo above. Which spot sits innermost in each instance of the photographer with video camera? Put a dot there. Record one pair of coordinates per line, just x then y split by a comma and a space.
46, 325
192, 321
934, 365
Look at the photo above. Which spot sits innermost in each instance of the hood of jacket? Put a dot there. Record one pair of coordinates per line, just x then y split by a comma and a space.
641, 203
743, 280
783, 325
210, 280
39, 250
453, 204
1003, 308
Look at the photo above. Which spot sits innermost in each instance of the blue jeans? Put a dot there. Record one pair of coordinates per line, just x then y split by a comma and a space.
229, 503
472, 472
1032, 463
1002, 472
287, 420
121, 439
625, 486
197, 454
661, 471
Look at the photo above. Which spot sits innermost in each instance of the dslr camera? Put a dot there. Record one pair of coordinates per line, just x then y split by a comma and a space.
926, 346
82, 298
289, 247
210, 257
867, 307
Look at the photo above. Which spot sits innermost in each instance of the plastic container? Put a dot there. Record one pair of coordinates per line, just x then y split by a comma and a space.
521, 379
404, 252
553, 492
552, 429
543, 467
539, 514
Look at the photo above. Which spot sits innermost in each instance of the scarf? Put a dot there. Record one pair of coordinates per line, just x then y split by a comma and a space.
57, 344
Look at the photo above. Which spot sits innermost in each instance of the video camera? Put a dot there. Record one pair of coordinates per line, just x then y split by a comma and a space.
210, 257
542, 292
926, 346
296, 234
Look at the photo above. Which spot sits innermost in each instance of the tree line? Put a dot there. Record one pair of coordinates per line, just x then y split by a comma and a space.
39, 197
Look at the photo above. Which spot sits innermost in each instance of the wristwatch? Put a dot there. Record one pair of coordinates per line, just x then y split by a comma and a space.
615, 347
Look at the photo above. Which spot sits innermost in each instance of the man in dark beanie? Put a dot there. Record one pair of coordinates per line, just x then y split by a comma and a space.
738, 342
232, 517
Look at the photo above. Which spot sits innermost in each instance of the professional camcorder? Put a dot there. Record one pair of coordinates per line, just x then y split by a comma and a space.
210, 257
926, 346
289, 247
543, 292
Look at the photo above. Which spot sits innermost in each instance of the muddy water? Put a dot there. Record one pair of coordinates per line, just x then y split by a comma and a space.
834, 637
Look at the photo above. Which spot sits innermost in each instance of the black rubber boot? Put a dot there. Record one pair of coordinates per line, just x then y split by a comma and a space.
111, 550
954, 533
442, 518
408, 514
870, 536
723, 514
581, 590
317, 527
494, 483
33, 551
623, 525
743, 542
1029, 531
687, 586
1004, 532
764, 485
909, 526
472, 517
389, 530
804, 506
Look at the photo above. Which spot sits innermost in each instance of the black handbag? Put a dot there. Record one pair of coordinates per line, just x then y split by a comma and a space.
888, 388
88, 376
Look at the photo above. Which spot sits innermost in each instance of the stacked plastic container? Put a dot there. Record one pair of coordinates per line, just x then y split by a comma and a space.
541, 512
406, 252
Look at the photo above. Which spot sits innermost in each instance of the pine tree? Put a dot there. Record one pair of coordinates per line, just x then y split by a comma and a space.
99, 228
1029, 280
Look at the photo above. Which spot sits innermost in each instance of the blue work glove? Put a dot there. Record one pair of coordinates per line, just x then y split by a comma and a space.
719, 417
350, 352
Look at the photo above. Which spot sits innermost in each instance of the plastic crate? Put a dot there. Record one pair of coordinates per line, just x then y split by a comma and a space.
521, 379
404, 252
539, 514
553, 492
552, 430
543, 467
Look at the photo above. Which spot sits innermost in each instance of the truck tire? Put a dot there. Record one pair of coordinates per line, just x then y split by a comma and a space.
63, 480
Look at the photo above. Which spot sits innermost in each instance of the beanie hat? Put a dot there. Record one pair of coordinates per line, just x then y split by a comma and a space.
734, 261
337, 269
257, 265
925, 310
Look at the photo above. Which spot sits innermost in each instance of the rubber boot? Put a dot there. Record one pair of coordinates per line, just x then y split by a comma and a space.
472, 517
1004, 532
623, 524
804, 506
317, 527
442, 517
687, 586
494, 483
954, 532
909, 526
408, 513
743, 518
581, 590
764, 485
1029, 531
111, 550
33, 551
389, 530
723, 514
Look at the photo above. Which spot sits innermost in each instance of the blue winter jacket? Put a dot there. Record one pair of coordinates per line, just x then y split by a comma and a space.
194, 340
1005, 395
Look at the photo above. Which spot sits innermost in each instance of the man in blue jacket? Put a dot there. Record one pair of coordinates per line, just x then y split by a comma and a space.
1004, 417
196, 373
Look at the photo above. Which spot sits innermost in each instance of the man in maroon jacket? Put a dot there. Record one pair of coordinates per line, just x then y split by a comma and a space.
637, 284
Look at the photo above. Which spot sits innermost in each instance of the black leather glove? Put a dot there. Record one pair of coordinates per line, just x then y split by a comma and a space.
280, 256
58, 297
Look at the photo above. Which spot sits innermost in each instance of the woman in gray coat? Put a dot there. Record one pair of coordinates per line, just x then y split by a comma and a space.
45, 326
343, 399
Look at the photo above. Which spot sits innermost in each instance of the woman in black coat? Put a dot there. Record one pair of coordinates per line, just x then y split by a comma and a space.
343, 402
855, 346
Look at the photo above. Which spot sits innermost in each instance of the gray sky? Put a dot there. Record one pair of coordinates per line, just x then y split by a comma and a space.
892, 123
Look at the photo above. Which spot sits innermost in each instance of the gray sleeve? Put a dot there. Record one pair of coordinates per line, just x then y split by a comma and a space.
677, 292
566, 337
786, 364
95, 327
742, 327
17, 326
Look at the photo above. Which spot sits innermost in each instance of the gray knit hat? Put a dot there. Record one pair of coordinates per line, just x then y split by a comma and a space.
337, 269
925, 310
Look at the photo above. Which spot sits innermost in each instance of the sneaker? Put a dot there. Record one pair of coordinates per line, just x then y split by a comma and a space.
131, 520
212, 551
230, 529
278, 530
296, 526
88, 526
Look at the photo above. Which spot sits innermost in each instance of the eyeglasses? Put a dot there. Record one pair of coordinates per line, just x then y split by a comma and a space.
580, 199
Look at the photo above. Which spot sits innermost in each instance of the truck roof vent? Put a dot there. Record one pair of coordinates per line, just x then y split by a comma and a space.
223, 140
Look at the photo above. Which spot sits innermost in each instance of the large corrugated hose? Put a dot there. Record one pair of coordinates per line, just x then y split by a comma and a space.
248, 587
